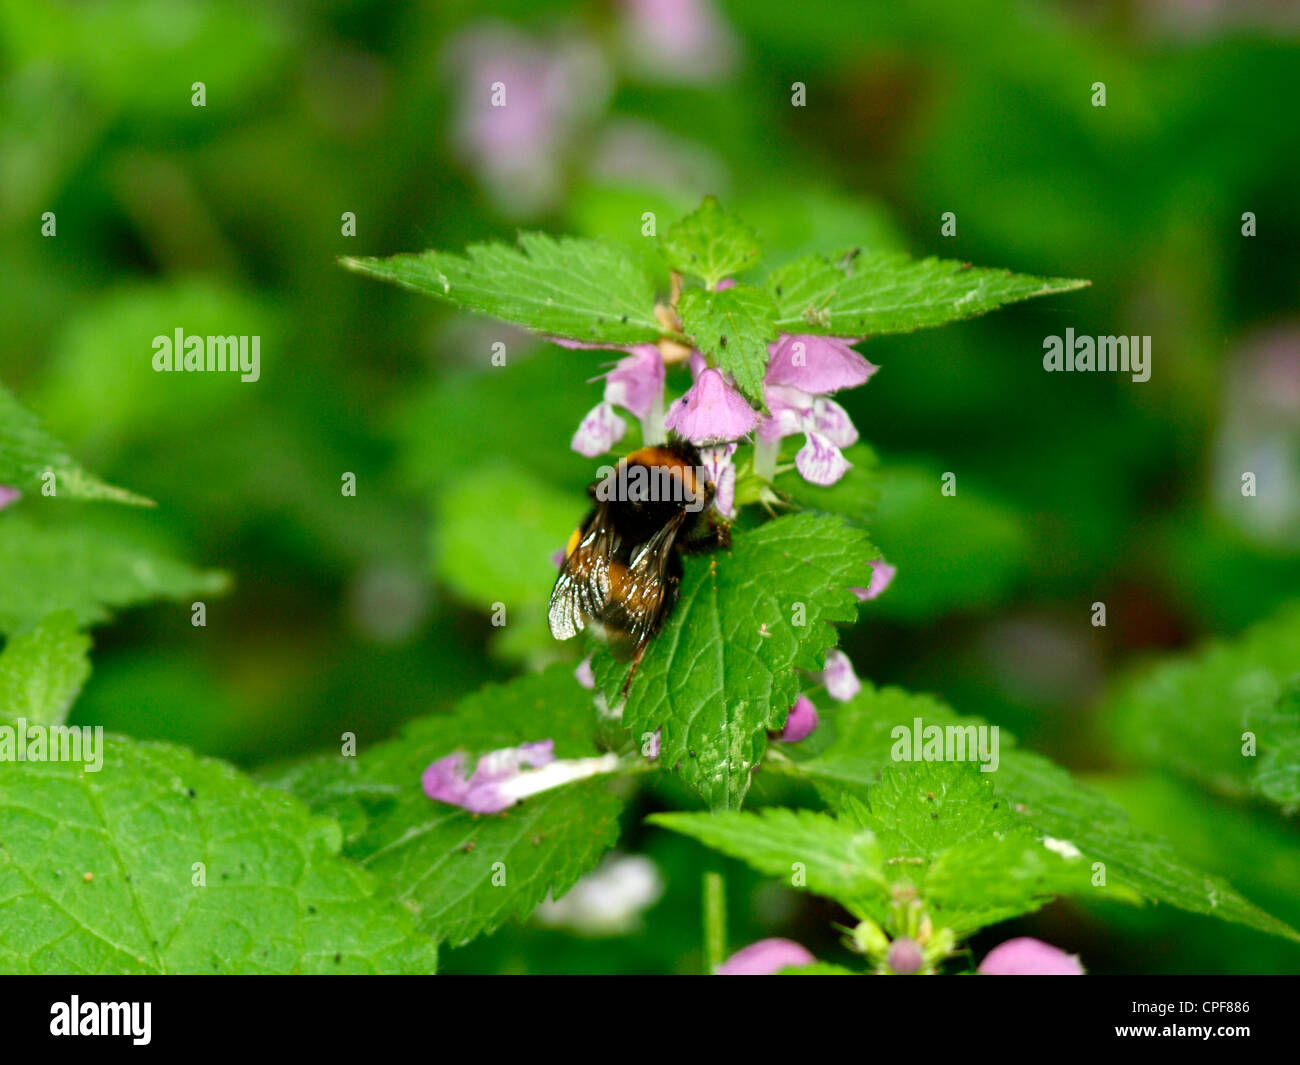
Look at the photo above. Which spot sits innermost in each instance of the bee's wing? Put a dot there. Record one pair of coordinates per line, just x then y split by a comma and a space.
582, 588
643, 588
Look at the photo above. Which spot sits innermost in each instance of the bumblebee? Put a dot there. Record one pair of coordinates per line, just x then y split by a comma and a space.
622, 566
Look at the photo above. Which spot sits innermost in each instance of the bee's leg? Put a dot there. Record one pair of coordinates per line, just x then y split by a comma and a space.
636, 661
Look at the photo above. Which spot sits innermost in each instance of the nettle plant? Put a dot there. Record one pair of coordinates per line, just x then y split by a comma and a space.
923, 824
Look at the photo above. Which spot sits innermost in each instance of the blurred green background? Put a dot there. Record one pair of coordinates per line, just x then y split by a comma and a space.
355, 614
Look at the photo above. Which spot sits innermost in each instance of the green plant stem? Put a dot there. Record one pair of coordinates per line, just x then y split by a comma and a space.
715, 921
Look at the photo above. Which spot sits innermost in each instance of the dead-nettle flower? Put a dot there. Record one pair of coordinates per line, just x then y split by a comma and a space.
722, 472
766, 958
712, 411
8, 495
636, 383
801, 722
681, 40
502, 778
904, 957
801, 372
841, 681
1026, 956
882, 575
520, 105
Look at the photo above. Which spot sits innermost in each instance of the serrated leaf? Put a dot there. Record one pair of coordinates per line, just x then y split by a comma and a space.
710, 243
859, 295
443, 860
1191, 715
721, 673
933, 831
85, 569
855, 744
582, 289
98, 875
28, 452
42, 671
733, 327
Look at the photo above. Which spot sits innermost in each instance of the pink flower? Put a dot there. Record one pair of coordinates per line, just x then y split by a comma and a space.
841, 682
599, 431
504, 777
815, 364
904, 956
636, 383
766, 958
824, 423
8, 495
882, 575
678, 39
1029, 957
801, 722
722, 472
711, 412
584, 675
482, 793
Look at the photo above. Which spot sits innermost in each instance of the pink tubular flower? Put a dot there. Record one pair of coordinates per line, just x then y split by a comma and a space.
1029, 957
501, 779
801, 722
815, 364
636, 383
802, 371
711, 412
882, 575
824, 423
766, 958
722, 472
841, 682
904, 957
8, 495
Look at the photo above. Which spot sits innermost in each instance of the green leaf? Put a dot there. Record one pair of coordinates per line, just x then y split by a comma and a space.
857, 295
721, 673
732, 328
83, 568
933, 831
582, 289
445, 862
162, 862
28, 452
855, 744
710, 243
1191, 714
42, 671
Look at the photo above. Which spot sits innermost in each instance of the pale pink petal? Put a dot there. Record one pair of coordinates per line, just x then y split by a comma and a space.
819, 461
816, 364
600, 430
766, 958
711, 412
1026, 956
